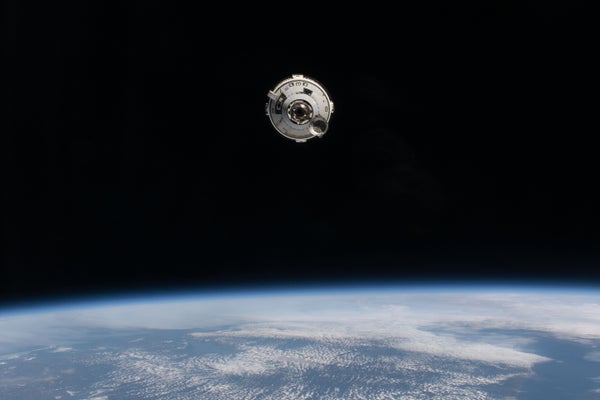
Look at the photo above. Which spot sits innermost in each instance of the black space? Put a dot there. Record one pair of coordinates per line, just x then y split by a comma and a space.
138, 154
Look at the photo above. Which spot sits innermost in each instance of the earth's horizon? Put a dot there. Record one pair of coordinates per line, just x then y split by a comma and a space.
405, 342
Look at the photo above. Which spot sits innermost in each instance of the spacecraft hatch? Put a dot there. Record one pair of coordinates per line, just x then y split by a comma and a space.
299, 108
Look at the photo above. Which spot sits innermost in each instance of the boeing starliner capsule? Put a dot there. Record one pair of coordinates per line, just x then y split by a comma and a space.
299, 108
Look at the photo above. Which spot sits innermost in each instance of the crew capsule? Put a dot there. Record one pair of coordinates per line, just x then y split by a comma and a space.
299, 108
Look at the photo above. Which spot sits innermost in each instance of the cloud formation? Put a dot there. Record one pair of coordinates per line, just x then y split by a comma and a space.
408, 320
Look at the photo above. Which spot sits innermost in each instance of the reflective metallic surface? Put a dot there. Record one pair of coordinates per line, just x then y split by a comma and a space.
299, 108
300, 112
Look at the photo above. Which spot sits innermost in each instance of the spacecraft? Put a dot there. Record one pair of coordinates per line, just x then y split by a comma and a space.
299, 108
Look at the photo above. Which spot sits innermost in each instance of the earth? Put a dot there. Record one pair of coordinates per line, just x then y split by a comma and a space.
394, 342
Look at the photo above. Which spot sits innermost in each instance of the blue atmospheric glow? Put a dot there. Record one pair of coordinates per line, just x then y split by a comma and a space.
102, 300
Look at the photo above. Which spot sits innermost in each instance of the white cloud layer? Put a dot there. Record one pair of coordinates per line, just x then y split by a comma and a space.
402, 319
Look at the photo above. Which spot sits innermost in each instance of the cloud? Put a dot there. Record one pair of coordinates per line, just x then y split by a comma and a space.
250, 362
406, 337
62, 349
593, 356
406, 320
